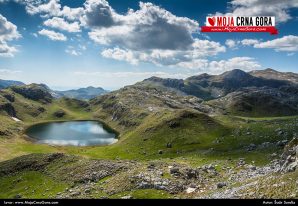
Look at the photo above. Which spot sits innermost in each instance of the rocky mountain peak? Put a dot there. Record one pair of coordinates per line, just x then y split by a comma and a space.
235, 74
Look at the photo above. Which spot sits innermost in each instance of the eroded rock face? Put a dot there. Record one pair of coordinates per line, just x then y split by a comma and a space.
289, 158
8, 108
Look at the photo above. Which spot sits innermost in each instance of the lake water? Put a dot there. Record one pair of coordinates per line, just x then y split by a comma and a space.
74, 133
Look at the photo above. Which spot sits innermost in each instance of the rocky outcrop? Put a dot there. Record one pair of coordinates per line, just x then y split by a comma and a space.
59, 113
289, 158
36, 92
273, 74
263, 101
6, 106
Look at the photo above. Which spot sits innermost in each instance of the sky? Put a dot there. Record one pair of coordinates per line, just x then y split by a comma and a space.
70, 44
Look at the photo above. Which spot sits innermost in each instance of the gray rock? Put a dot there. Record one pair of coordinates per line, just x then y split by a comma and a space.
190, 173
253, 167
273, 155
87, 191
282, 143
169, 145
160, 151
144, 185
241, 162
251, 147
265, 145
221, 185
292, 167
210, 167
18, 196
151, 166
126, 197
174, 170
75, 194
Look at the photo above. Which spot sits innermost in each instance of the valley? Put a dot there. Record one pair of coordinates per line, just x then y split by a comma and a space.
231, 135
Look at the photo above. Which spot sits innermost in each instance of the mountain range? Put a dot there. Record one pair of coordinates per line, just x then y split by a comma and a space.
81, 93
255, 93
208, 136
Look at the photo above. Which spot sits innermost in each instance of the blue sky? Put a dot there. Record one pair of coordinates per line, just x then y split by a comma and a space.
70, 44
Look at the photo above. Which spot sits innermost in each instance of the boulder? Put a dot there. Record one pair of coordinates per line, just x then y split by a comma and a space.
126, 197
221, 185
174, 170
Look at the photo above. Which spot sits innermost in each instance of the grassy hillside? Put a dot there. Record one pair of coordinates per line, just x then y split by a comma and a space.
156, 126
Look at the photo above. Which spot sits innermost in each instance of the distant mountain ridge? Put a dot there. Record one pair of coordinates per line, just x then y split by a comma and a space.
31, 89
208, 87
8, 83
273, 74
82, 93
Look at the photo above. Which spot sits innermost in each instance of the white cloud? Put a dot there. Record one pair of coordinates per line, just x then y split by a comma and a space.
278, 8
150, 27
98, 13
150, 34
50, 8
199, 49
141, 75
119, 79
198, 64
55, 36
10, 74
72, 13
72, 51
249, 42
76, 50
8, 32
115, 80
232, 44
120, 54
243, 63
4, 72
60, 23
215, 67
6, 50
287, 43
204, 48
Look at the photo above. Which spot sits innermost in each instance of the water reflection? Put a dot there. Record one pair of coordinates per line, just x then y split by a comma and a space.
75, 133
